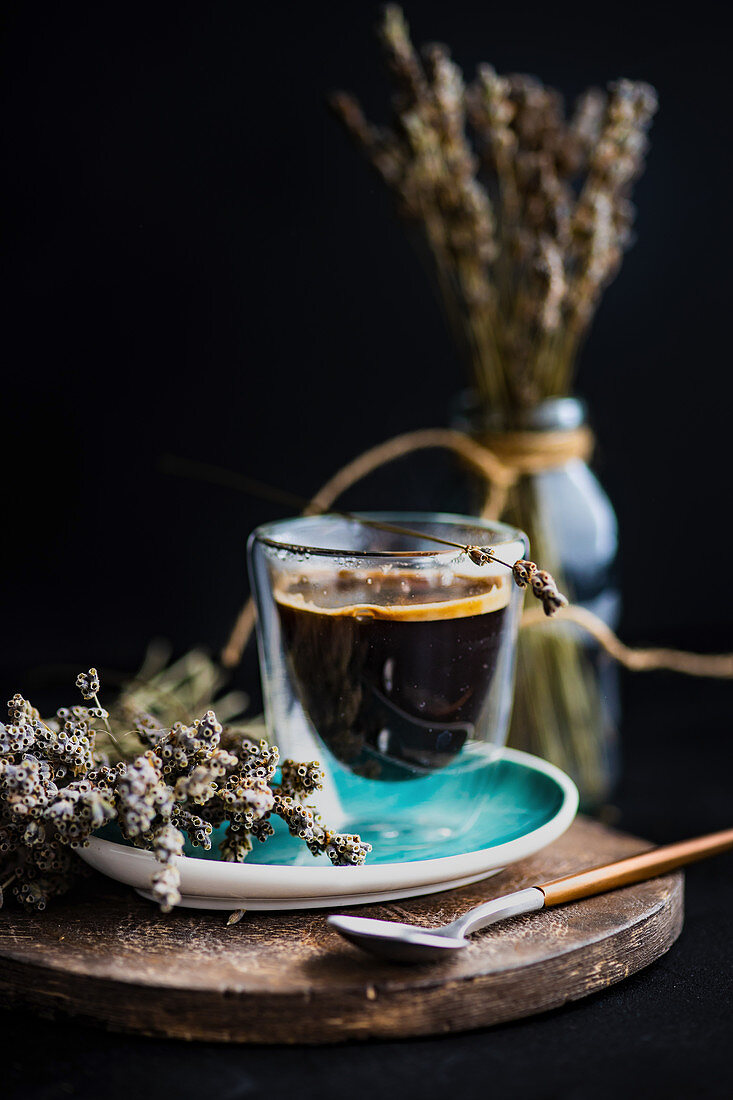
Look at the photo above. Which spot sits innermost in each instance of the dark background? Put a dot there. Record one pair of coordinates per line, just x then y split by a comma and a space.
199, 263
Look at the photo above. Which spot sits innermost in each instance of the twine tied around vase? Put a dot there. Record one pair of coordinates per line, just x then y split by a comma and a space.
531, 452
500, 459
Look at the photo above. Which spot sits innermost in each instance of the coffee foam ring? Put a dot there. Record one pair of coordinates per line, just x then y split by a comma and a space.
494, 599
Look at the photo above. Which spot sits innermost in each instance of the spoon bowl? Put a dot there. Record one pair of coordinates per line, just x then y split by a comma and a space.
410, 944
397, 942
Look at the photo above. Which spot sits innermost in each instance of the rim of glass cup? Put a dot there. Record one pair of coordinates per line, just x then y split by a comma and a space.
265, 533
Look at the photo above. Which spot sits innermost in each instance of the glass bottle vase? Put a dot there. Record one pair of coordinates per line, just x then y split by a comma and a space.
566, 706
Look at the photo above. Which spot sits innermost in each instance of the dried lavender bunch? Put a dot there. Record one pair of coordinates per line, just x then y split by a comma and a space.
56, 790
524, 211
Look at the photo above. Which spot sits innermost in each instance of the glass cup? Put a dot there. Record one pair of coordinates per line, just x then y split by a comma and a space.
389, 657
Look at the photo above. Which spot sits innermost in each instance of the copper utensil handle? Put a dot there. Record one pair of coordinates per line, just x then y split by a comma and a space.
656, 861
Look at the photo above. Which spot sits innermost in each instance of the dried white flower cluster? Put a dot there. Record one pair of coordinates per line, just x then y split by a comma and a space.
56, 790
526, 574
542, 584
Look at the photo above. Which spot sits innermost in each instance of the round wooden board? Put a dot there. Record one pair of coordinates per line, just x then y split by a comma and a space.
110, 957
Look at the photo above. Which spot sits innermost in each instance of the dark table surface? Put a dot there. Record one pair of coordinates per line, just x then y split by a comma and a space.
665, 1031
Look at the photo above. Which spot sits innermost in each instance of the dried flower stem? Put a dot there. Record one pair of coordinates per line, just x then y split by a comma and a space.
107, 726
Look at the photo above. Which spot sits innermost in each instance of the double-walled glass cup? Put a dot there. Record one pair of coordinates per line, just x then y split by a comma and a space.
389, 657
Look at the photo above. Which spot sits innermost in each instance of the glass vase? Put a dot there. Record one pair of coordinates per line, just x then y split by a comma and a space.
566, 706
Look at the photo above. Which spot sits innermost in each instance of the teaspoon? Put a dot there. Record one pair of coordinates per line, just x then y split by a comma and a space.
409, 943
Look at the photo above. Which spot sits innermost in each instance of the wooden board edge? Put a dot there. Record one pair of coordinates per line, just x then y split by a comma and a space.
458, 1005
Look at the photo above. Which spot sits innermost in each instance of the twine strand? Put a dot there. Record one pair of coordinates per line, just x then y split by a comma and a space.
499, 477
636, 659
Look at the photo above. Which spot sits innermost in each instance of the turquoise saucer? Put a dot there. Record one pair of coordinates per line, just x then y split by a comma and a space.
515, 801
512, 807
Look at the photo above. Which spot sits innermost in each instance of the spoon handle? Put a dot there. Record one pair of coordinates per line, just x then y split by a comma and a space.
646, 865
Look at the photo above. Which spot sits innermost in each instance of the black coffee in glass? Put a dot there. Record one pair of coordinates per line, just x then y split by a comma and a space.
393, 669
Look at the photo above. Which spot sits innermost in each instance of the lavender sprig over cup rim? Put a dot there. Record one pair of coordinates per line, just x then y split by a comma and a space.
526, 573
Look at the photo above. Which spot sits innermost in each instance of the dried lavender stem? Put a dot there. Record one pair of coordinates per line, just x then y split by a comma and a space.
111, 736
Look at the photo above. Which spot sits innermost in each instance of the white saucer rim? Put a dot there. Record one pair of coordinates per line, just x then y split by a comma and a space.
208, 901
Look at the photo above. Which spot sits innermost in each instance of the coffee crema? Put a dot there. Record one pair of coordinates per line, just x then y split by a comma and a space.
393, 669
